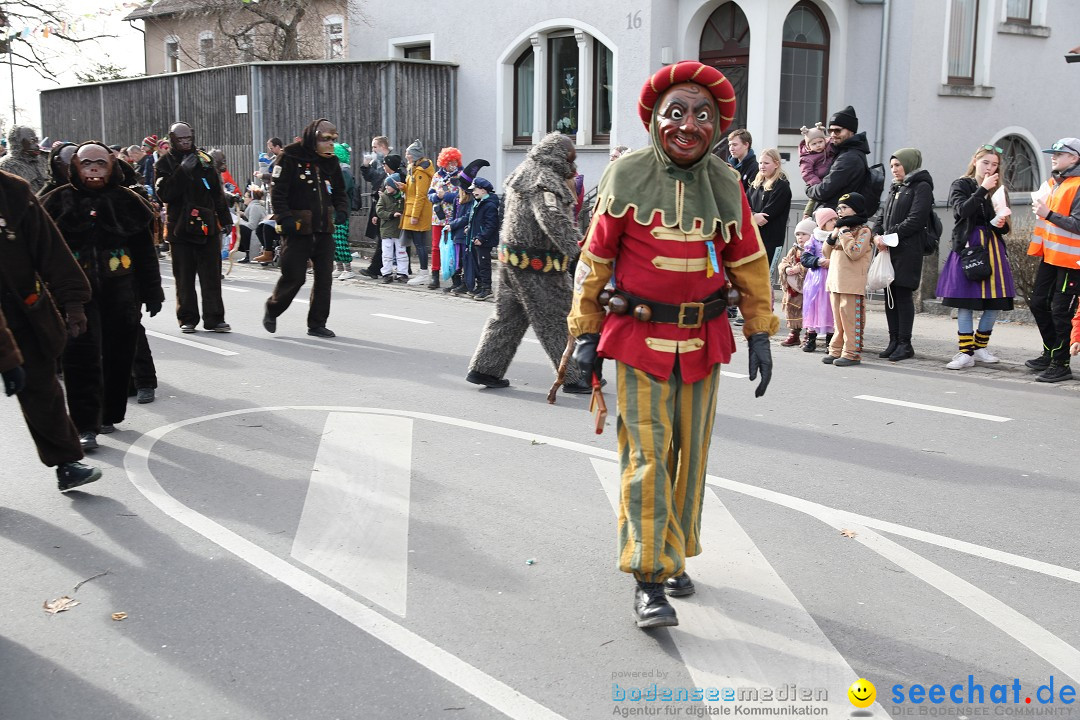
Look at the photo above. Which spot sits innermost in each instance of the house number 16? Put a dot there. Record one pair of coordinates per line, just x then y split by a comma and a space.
633, 21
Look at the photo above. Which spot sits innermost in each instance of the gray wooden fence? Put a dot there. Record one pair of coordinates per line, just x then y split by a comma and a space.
237, 107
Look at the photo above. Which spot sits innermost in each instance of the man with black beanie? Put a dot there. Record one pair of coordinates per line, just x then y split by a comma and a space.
849, 169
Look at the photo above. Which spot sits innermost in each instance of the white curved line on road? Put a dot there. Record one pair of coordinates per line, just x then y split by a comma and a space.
189, 343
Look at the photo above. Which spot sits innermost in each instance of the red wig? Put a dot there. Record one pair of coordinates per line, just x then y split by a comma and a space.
447, 156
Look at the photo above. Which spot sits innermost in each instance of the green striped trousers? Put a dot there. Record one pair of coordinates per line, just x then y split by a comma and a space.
664, 430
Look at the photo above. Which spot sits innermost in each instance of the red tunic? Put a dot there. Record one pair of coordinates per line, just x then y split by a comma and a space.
664, 264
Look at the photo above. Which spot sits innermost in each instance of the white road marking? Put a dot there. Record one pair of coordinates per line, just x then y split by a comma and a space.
934, 408
405, 319
317, 346
828, 515
744, 626
301, 300
355, 524
190, 343
473, 681
531, 340
1028, 633
234, 289
726, 373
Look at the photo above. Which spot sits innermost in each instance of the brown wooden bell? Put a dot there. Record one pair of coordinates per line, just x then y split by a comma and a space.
733, 296
618, 305
642, 313
603, 298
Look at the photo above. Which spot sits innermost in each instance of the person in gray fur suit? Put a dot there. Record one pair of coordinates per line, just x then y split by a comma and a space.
538, 241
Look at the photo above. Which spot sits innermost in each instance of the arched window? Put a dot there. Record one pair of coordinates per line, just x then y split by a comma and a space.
804, 68
524, 99
725, 44
1021, 164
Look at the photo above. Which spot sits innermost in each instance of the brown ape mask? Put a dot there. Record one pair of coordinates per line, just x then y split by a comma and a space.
182, 138
94, 164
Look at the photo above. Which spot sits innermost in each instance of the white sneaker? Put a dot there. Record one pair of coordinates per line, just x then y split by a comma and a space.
983, 355
422, 278
347, 275
961, 360
337, 273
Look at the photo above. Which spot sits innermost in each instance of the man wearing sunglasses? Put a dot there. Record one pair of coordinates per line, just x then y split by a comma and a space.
1057, 241
849, 169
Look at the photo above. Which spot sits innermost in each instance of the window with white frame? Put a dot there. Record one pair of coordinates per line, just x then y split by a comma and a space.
563, 82
804, 68
1018, 11
206, 48
963, 33
1021, 163
417, 52
172, 53
334, 26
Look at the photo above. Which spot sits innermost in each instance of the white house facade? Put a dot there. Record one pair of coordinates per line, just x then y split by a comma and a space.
945, 76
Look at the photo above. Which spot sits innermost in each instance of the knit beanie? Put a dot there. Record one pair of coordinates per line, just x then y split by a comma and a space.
343, 152
846, 118
393, 162
855, 201
415, 151
824, 215
910, 158
392, 179
150, 141
813, 133
805, 226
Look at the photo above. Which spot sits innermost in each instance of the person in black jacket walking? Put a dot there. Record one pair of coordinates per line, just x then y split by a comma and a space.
907, 211
197, 217
308, 197
770, 199
849, 169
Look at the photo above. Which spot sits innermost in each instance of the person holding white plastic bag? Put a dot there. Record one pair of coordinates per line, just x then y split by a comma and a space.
981, 279
900, 231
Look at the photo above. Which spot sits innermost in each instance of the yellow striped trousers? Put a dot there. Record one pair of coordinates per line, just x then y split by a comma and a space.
664, 430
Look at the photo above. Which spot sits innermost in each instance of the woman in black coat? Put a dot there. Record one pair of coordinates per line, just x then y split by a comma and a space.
770, 201
907, 212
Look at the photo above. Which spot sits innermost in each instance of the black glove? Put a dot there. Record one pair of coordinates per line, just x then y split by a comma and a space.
585, 356
760, 359
76, 319
14, 380
341, 217
153, 307
188, 164
809, 261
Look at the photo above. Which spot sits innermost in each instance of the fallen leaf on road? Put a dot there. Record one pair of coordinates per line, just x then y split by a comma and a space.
848, 533
535, 442
60, 604
119, 616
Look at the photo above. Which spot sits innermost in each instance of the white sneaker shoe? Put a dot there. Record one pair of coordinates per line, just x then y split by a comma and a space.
983, 355
337, 273
961, 360
347, 275
422, 278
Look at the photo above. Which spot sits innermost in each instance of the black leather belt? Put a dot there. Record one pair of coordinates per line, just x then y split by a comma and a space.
685, 315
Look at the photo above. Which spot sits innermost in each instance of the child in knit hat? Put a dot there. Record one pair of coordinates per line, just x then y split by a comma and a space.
815, 158
791, 272
848, 251
388, 212
816, 308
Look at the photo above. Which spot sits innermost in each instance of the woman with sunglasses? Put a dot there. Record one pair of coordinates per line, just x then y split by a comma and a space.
977, 227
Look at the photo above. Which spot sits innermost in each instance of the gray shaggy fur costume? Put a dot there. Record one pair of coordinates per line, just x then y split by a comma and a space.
538, 215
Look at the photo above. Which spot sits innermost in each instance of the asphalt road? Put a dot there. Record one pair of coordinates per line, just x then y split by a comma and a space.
303, 528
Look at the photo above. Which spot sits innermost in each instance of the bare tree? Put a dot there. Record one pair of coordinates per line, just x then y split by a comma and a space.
28, 53
266, 30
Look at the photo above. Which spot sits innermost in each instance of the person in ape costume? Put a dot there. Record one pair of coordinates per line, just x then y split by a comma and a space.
196, 216
537, 242
108, 229
308, 197
24, 157
59, 166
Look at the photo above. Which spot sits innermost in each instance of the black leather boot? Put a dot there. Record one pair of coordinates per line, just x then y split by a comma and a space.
811, 342
903, 351
680, 585
890, 348
651, 607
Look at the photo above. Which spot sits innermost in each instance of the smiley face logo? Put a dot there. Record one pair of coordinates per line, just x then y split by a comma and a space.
862, 693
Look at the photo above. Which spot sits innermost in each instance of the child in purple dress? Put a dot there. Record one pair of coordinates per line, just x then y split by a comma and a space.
817, 307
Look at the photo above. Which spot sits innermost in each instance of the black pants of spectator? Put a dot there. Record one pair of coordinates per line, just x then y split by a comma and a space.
143, 371
483, 266
202, 262
1053, 303
97, 364
267, 236
901, 316
296, 250
245, 239
43, 406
